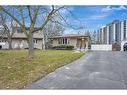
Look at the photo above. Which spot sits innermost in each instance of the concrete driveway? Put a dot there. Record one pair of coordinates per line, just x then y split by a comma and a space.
95, 70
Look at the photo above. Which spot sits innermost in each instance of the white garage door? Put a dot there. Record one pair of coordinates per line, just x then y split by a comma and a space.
102, 47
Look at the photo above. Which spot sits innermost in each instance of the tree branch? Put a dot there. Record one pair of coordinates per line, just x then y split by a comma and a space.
4, 10
36, 10
53, 11
29, 11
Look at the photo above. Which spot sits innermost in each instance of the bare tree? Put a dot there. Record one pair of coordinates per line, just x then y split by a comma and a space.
87, 33
60, 22
2, 33
31, 19
94, 36
7, 28
51, 30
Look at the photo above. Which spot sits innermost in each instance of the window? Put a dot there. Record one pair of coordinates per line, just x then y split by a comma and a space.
35, 40
58, 41
5, 40
125, 29
65, 40
68, 42
62, 41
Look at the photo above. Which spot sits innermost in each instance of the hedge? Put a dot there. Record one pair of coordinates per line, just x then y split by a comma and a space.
63, 47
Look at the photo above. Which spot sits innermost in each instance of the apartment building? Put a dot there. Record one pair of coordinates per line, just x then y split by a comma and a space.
123, 27
114, 32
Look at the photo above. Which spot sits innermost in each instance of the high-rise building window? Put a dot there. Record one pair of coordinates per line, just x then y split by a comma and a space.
110, 34
124, 36
117, 33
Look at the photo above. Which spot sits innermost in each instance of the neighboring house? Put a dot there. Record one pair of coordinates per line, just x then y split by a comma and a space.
19, 40
78, 41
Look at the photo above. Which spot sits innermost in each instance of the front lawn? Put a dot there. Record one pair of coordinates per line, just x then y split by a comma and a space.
16, 70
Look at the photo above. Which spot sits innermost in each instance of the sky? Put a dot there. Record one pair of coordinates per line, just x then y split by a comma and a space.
90, 17
94, 17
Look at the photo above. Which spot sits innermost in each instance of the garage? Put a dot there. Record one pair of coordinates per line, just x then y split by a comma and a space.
101, 47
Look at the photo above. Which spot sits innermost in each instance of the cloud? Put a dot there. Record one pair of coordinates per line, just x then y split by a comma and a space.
109, 8
70, 31
94, 17
100, 25
120, 8
66, 10
73, 31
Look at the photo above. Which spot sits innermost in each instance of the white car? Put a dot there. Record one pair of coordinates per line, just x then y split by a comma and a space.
2, 44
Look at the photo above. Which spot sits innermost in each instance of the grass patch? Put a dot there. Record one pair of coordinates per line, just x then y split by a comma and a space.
16, 70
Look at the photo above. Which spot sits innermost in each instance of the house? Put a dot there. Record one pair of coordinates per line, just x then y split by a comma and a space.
19, 40
78, 41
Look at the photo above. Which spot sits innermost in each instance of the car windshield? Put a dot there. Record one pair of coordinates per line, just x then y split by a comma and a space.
125, 44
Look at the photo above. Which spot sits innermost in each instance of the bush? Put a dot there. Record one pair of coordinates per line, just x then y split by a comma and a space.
63, 47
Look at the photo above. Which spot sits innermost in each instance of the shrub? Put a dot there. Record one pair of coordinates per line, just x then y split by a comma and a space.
63, 47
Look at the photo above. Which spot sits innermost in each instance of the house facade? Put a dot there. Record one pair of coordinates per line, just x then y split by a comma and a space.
19, 40
78, 41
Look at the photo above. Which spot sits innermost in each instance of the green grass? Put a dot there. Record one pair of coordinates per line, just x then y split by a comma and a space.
16, 70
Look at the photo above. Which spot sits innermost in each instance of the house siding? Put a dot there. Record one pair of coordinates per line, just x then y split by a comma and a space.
19, 40
79, 42
73, 42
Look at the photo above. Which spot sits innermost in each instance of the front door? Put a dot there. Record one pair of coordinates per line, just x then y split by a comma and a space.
80, 44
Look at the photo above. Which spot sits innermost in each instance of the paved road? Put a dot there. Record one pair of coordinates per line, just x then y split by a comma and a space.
95, 70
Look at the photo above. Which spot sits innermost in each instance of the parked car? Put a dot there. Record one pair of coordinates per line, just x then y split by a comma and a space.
1, 44
125, 47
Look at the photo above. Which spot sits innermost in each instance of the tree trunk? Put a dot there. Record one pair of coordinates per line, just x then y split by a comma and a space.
43, 42
10, 43
30, 45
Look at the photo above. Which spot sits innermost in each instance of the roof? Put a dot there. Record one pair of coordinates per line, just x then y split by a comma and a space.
70, 36
37, 35
21, 35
